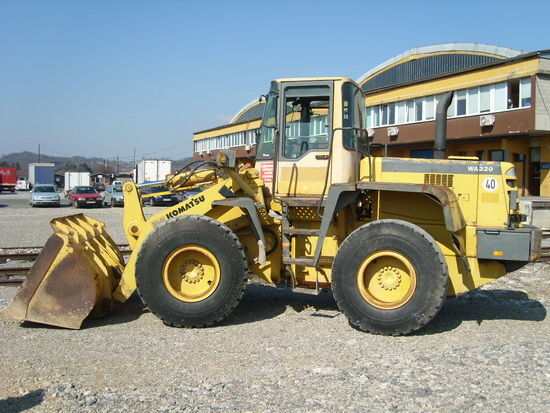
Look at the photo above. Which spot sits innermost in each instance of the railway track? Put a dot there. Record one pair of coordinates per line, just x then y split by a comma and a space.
545, 251
23, 258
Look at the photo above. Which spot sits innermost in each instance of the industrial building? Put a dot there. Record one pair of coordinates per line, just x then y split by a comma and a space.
500, 109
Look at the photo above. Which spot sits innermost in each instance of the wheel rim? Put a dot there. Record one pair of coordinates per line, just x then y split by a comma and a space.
386, 279
191, 273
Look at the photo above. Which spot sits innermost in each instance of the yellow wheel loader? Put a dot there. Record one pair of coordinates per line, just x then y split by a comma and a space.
391, 237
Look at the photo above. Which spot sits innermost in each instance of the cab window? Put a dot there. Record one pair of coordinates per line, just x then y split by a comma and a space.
353, 112
307, 120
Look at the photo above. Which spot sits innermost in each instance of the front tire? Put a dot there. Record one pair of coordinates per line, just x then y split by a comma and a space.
191, 271
390, 277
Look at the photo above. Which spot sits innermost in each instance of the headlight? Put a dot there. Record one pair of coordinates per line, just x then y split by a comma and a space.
81, 199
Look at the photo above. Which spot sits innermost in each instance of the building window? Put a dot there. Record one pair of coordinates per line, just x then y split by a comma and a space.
509, 95
451, 111
484, 99
525, 92
460, 103
401, 112
501, 98
473, 96
369, 117
384, 115
430, 109
513, 94
418, 109
497, 155
410, 110
391, 114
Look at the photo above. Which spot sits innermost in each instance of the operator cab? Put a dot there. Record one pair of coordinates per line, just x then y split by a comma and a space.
309, 125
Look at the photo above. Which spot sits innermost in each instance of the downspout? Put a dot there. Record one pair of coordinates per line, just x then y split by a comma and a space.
440, 142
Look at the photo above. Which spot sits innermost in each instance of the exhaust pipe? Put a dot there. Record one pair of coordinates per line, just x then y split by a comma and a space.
440, 142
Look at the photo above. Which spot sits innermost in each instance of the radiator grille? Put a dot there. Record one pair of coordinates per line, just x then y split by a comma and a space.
439, 179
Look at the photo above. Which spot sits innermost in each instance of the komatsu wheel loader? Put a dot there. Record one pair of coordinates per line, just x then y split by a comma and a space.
391, 237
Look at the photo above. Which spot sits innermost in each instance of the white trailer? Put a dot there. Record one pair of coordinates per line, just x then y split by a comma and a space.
41, 173
150, 170
73, 179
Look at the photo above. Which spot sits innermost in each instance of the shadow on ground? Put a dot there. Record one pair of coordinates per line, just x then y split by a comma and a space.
259, 302
484, 305
22, 403
264, 302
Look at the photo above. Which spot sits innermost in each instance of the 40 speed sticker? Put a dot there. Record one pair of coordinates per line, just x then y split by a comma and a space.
490, 184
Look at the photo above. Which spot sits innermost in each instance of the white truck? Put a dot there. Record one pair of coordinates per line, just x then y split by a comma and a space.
150, 170
73, 179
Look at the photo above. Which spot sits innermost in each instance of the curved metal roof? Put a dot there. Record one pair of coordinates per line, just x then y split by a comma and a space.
425, 62
251, 111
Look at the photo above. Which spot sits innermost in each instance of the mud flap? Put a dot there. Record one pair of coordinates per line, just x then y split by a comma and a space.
73, 278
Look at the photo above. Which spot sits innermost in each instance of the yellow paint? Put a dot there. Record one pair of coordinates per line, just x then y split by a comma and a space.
482, 272
300, 179
386, 280
191, 273
544, 143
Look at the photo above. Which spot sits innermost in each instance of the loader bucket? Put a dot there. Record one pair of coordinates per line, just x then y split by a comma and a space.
74, 276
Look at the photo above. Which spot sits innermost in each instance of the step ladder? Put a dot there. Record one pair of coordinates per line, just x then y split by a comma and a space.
287, 233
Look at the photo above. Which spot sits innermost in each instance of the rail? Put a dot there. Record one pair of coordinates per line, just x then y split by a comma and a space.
13, 275
545, 250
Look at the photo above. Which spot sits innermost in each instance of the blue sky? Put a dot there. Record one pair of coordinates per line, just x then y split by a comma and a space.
98, 78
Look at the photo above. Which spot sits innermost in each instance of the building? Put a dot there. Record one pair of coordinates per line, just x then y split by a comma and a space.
500, 109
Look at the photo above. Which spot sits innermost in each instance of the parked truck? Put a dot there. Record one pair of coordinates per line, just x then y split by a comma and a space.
73, 179
8, 179
41, 173
151, 170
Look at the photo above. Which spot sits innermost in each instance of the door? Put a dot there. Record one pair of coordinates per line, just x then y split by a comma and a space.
304, 137
534, 171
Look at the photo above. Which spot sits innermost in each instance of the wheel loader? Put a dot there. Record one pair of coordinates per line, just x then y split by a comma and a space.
321, 209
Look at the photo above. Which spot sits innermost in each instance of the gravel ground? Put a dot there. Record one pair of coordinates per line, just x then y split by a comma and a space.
280, 351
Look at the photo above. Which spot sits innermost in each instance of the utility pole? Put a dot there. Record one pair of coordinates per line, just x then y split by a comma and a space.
117, 165
38, 153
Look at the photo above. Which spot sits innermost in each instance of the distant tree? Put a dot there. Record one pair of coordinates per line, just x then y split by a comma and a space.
17, 165
107, 169
82, 167
4, 163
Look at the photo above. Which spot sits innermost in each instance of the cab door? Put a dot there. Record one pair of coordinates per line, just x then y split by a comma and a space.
305, 131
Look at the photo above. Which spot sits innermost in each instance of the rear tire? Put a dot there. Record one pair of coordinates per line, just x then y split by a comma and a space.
191, 271
390, 277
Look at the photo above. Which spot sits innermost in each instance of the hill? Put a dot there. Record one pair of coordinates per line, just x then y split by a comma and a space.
93, 164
